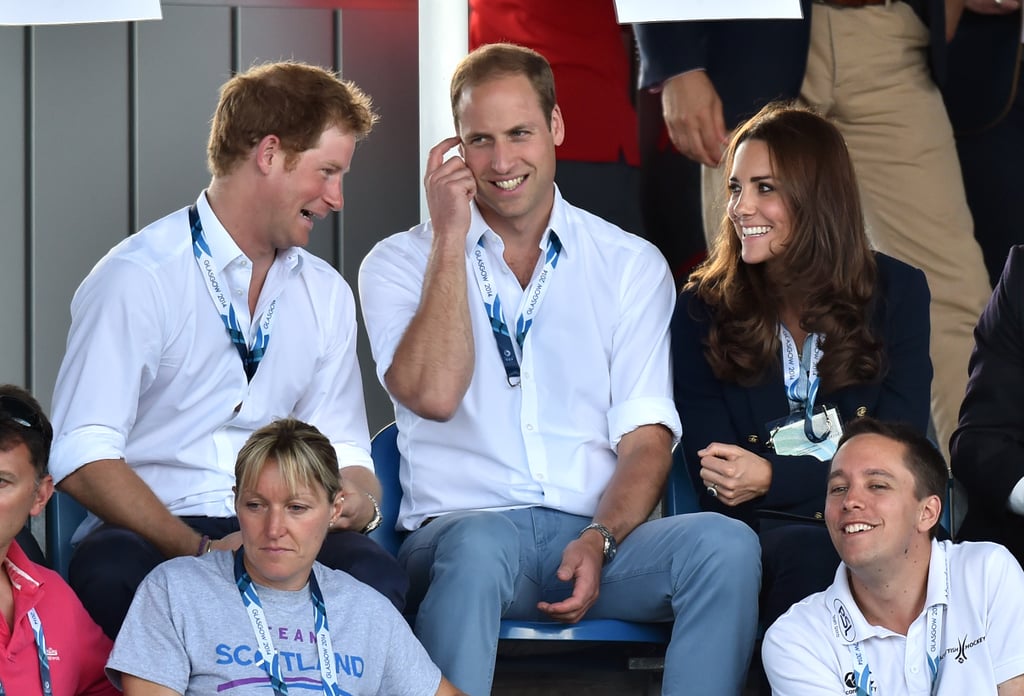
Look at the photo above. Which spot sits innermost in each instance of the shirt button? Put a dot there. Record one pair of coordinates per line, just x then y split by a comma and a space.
542, 477
529, 426
238, 291
914, 670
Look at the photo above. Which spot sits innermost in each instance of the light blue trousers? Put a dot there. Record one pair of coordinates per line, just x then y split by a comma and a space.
702, 570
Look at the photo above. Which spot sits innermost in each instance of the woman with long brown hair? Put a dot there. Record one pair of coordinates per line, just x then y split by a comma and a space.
792, 327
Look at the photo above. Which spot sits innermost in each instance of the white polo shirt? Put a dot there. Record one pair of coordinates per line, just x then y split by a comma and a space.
594, 366
150, 374
973, 624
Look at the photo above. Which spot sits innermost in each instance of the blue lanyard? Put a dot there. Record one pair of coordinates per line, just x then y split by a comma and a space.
44, 662
492, 304
251, 355
801, 378
267, 656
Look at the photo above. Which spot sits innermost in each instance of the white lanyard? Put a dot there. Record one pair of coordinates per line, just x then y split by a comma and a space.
267, 657
528, 307
800, 376
44, 662
933, 647
253, 353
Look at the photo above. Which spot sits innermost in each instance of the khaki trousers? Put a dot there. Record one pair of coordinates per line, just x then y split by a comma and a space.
867, 70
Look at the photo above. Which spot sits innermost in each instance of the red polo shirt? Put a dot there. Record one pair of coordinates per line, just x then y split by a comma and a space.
76, 647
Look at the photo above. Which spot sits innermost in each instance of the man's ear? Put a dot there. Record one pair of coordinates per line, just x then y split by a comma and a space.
931, 512
557, 125
267, 150
44, 489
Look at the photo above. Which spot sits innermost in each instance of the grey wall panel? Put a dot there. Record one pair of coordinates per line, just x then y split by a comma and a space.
13, 260
182, 62
380, 53
80, 183
268, 34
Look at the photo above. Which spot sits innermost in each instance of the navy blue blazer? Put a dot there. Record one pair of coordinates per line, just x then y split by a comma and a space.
752, 62
715, 411
988, 446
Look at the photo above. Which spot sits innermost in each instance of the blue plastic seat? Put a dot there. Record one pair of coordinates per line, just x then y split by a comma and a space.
63, 515
679, 498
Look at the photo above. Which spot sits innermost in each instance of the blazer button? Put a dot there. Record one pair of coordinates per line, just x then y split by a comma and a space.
818, 516
862, 411
752, 439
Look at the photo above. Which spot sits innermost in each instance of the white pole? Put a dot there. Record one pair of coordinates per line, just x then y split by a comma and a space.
444, 41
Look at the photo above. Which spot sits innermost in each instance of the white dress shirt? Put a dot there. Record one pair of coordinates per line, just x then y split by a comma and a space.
978, 590
151, 376
595, 366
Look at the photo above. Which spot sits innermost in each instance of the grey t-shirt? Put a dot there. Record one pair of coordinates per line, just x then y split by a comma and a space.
187, 629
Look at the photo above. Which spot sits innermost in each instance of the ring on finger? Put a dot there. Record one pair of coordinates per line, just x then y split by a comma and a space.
713, 490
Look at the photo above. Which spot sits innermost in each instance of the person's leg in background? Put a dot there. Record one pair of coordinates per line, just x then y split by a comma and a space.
110, 562
991, 164
867, 70
366, 561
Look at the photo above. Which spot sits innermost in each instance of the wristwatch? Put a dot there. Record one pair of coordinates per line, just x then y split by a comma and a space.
610, 547
375, 522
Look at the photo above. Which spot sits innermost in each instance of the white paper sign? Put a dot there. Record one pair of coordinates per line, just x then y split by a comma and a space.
21, 12
631, 11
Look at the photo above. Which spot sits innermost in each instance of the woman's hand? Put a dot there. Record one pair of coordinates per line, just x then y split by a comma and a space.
737, 474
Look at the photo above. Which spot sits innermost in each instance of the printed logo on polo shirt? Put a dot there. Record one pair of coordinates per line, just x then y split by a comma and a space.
850, 685
842, 622
962, 646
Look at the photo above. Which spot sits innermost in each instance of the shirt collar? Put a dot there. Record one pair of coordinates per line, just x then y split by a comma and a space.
17, 565
224, 249
848, 623
558, 222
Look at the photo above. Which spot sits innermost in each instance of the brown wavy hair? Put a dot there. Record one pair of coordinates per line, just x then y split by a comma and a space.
826, 270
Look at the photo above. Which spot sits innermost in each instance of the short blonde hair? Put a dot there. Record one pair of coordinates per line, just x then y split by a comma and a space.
304, 455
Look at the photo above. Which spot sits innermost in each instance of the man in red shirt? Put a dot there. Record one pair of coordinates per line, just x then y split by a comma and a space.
48, 643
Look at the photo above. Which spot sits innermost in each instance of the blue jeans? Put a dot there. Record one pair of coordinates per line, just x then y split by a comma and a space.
469, 570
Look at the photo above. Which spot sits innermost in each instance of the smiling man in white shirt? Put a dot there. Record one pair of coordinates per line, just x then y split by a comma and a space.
524, 343
207, 325
907, 614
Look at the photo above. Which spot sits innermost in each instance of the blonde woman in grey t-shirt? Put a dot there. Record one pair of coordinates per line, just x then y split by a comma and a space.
268, 614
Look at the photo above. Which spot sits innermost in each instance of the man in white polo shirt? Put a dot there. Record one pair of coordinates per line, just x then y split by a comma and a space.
906, 614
